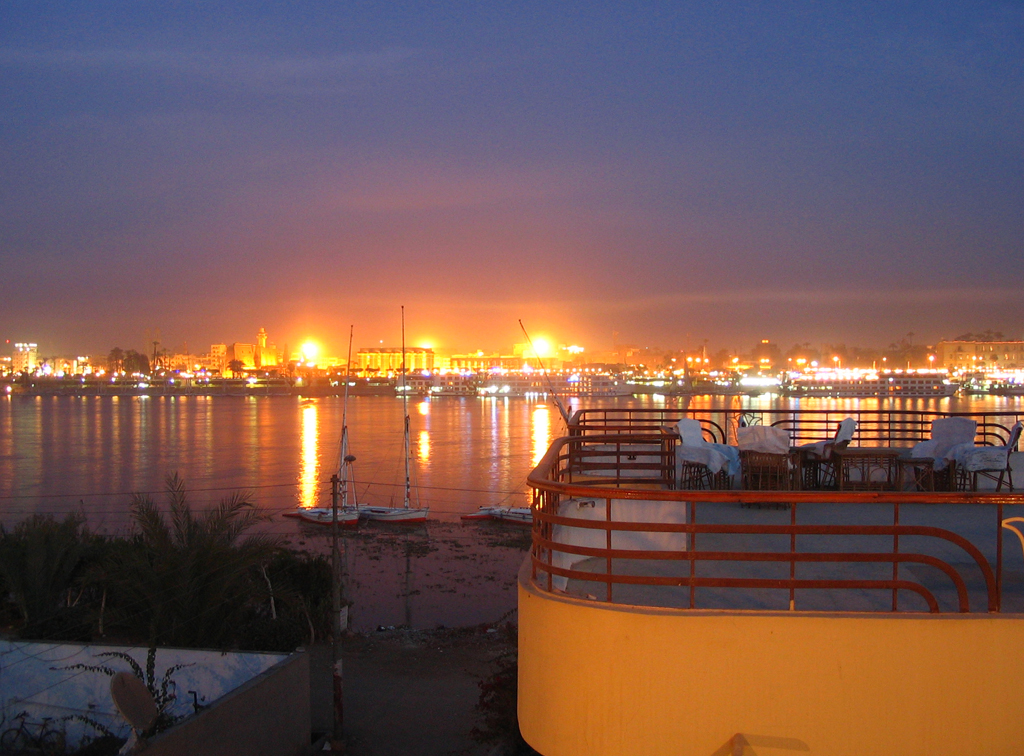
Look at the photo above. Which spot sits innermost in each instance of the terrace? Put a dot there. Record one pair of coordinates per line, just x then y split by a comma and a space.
720, 619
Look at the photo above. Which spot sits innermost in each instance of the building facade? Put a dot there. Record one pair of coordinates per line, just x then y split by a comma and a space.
980, 355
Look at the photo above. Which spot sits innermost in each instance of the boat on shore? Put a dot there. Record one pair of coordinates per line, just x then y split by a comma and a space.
348, 517
518, 515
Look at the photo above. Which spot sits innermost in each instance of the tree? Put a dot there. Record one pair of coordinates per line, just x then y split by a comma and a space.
115, 360
134, 362
236, 366
192, 576
41, 561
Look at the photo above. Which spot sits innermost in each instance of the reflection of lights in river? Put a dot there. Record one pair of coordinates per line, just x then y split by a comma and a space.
541, 430
423, 447
309, 471
423, 408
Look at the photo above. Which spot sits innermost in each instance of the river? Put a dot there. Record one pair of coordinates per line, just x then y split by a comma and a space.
91, 454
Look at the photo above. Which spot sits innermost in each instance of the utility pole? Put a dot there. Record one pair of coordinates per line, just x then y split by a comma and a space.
336, 677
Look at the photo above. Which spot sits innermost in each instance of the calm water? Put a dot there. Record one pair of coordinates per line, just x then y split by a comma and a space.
92, 453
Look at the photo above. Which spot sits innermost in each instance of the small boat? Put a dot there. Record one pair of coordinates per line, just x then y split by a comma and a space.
405, 513
519, 515
347, 517
393, 514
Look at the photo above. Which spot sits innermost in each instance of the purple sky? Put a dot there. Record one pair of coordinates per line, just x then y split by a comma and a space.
813, 171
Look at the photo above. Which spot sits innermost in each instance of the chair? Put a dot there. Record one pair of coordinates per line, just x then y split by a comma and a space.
765, 459
992, 462
947, 433
817, 467
703, 465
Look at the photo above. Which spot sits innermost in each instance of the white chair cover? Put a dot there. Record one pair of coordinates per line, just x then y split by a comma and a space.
976, 458
950, 435
845, 431
763, 438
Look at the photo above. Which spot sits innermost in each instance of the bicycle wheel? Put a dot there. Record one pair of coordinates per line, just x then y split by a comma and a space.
14, 740
52, 743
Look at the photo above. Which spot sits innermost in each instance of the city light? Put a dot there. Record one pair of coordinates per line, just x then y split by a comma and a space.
310, 350
541, 347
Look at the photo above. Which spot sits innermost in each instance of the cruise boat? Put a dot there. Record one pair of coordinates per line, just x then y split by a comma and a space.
892, 384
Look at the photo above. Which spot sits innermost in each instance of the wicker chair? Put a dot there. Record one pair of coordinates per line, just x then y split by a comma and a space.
699, 464
765, 471
818, 467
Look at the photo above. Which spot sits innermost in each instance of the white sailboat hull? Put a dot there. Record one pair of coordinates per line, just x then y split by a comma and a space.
347, 518
394, 514
519, 515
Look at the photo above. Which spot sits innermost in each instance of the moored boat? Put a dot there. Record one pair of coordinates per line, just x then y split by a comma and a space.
405, 513
518, 515
347, 518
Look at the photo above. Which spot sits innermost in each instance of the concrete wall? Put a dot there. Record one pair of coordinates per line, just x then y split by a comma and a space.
268, 716
597, 679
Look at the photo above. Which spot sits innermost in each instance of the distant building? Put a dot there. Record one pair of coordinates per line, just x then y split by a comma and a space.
480, 362
218, 358
266, 354
244, 353
25, 358
980, 355
383, 360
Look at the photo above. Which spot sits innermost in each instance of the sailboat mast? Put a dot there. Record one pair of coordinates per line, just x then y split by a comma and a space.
405, 412
343, 462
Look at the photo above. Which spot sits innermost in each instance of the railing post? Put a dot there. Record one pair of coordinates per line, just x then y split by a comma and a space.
895, 553
792, 552
999, 557
608, 546
691, 545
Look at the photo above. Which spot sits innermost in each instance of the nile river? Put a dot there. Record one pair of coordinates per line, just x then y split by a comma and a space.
91, 454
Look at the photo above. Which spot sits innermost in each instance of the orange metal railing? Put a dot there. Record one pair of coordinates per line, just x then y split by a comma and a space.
874, 427
615, 470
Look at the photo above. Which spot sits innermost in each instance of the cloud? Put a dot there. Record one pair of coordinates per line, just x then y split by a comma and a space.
228, 68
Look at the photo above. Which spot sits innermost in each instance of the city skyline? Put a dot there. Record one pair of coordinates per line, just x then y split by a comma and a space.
625, 173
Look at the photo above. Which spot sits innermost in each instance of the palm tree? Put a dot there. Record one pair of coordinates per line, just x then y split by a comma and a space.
40, 561
191, 576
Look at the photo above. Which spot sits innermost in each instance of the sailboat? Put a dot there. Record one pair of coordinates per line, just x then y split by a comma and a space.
347, 515
405, 513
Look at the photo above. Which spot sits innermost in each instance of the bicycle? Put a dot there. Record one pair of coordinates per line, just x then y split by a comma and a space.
33, 737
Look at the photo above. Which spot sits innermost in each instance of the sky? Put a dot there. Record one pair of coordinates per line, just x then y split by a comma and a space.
652, 173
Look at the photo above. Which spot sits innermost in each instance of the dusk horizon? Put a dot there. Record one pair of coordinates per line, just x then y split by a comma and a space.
640, 174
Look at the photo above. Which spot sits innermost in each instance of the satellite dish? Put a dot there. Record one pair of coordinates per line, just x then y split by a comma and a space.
133, 700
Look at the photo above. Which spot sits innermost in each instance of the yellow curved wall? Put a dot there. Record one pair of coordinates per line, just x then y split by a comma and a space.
597, 679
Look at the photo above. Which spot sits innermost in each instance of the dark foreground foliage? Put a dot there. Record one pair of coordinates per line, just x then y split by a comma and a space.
184, 579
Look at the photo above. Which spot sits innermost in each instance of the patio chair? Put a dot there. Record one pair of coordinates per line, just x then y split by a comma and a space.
817, 466
993, 462
700, 464
766, 462
947, 433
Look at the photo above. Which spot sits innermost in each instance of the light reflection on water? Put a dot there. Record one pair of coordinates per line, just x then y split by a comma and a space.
541, 433
309, 471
